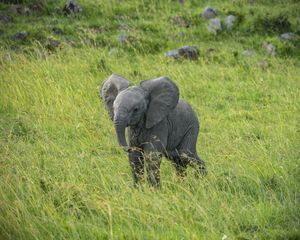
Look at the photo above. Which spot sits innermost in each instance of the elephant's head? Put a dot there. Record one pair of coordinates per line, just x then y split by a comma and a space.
151, 101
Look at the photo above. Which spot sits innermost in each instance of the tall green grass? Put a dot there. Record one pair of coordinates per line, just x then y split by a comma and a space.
63, 175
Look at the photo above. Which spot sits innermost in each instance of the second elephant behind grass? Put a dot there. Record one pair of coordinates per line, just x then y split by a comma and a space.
160, 124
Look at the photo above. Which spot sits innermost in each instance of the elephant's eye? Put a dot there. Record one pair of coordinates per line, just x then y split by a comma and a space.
135, 109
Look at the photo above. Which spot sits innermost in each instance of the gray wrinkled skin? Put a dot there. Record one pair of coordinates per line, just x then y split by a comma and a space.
159, 124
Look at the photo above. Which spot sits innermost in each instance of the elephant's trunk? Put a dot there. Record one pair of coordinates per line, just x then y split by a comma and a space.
120, 125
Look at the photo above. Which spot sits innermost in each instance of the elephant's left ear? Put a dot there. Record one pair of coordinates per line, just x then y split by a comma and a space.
110, 89
164, 96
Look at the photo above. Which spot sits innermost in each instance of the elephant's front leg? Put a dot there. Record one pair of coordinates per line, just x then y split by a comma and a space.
153, 160
153, 150
136, 160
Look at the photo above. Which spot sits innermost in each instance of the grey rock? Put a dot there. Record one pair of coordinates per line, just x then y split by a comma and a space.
210, 51
54, 43
57, 30
122, 18
270, 48
27, 11
123, 26
36, 7
229, 21
214, 25
123, 38
172, 53
33, 7
72, 7
16, 9
113, 51
180, 21
187, 52
209, 13
288, 36
21, 36
5, 18
263, 64
248, 53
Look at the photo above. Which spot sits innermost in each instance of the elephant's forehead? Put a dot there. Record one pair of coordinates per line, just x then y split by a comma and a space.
131, 95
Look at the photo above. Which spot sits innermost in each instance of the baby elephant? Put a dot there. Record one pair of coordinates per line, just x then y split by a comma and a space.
160, 124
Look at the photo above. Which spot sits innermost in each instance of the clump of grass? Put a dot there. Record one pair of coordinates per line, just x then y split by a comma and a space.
272, 24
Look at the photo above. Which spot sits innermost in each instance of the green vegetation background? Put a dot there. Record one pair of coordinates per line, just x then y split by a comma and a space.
62, 174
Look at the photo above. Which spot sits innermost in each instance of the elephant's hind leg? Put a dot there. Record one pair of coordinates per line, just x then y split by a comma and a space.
181, 166
194, 161
179, 163
188, 153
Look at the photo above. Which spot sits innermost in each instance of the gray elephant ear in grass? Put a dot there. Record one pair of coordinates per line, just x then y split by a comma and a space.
110, 89
164, 96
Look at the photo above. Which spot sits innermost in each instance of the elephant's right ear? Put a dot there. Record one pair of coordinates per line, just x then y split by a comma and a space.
110, 89
164, 96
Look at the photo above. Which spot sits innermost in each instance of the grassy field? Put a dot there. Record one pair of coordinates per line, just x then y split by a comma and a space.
62, 173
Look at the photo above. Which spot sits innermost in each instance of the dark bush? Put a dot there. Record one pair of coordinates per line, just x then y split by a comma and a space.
272, 24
